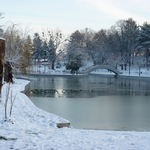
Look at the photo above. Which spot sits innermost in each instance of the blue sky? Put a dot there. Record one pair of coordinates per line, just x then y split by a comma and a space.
70, 15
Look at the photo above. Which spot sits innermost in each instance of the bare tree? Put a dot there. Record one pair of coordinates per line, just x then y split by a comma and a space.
113, 54
127, 30
54, 39
14, 44
15, 48
89, 44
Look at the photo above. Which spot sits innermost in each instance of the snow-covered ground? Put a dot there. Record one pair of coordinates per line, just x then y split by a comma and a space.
30, 128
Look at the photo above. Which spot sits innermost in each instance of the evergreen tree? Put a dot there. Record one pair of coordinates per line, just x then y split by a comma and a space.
74, 59
75, 52
143, 40
100, 42
37, 47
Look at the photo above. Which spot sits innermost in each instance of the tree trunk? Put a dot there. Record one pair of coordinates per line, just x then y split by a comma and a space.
121, 66
8, 73
2, 53
125, 66
53, 64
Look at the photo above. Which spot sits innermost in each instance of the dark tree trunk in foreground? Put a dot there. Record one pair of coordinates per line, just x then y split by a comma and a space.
8, 77
2, 53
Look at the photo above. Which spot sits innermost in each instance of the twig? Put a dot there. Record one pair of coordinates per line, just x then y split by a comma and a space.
6, 99
12, 102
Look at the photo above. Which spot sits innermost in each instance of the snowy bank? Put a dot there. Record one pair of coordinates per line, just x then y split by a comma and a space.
31, 128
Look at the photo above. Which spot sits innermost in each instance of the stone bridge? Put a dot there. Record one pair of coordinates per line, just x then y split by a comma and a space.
92, 68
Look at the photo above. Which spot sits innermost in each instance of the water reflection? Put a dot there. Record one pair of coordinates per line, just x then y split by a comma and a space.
82, 93
95, 102
87, 87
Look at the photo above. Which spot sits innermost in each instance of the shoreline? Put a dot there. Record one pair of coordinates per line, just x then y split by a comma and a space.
62, 124
136, 77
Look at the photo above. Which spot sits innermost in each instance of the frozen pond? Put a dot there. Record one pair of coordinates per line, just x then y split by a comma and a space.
95, 102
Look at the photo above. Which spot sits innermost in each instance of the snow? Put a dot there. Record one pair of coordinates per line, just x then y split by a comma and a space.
2, 39
30, 128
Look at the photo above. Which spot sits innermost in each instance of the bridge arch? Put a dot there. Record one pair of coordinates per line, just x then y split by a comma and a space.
92, 68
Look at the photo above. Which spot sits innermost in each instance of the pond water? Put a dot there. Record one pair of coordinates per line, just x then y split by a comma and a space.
94, 102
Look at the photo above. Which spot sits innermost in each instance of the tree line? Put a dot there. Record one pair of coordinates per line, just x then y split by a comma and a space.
125, 44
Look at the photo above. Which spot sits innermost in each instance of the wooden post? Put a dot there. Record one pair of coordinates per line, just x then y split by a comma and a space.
2, 53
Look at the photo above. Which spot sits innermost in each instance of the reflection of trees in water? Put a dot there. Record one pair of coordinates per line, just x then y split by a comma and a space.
62, 93
134, 87
88, 87
74, 93
43, 92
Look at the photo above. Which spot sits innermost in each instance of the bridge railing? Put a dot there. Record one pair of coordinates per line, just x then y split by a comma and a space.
92, 68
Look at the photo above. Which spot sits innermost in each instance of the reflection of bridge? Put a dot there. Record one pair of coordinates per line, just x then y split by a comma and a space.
92, 68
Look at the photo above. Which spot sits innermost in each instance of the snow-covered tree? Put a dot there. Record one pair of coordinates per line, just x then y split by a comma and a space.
44, 53
74, 58
127, 30
75, 52
100, 47
143, 41
113, 53
14, 44
37, 47
89, 44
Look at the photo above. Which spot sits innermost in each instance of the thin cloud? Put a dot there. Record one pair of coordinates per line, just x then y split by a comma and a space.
112, 9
